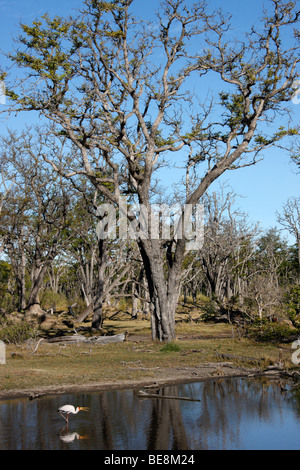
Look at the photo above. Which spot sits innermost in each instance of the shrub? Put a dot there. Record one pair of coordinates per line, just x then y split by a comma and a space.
16, 332
55, 300
171, 347
211, 311
292, 303
268, 331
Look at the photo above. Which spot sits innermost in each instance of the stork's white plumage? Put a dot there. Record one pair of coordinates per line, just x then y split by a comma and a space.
67, 409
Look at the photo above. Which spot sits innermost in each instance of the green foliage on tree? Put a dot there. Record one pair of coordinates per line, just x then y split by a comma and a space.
292, 305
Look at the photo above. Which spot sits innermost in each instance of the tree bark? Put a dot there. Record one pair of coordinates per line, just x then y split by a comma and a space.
18, 262
37, 278
164, 289
98, 298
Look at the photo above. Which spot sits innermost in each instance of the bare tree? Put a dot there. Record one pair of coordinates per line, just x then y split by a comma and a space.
264, 282
34, 216
290, 220
228, 244
6, 184
120, 89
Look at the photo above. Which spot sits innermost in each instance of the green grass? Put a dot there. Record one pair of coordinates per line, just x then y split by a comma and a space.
136, 359
171, 347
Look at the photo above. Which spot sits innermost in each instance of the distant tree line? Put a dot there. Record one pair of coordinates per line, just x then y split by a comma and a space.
118, 99
52, 258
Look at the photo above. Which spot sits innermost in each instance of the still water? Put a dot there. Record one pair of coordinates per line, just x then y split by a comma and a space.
231, 414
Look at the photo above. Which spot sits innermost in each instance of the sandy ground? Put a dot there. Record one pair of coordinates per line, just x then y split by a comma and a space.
161, 377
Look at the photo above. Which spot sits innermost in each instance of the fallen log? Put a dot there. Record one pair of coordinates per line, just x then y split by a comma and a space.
169, 397
66, 339
91, 340
120, 338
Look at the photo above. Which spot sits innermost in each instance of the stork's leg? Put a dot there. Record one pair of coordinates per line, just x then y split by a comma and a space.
64, 417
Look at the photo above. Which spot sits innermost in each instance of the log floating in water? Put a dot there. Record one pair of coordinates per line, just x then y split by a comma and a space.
93, 339
170, 397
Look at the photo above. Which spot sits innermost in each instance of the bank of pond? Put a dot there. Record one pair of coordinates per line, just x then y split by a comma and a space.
220, 414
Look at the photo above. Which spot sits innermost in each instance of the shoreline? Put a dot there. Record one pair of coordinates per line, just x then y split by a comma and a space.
163, 379
208, 353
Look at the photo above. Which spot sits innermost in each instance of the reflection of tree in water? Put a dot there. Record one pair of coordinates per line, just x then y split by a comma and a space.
166, 429
120, 420
225, 404
216, 421
105, 422
115, 417
295, 397
123, 421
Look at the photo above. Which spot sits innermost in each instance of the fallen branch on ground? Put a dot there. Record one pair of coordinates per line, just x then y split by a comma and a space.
37, 345
93, 339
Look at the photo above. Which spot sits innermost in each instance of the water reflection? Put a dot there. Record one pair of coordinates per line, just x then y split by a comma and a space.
166, 426
231, 414
67, 436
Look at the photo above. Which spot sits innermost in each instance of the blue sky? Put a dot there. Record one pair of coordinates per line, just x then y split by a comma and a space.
263, 188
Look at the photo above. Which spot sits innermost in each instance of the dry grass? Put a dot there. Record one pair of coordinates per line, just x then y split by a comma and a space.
136, 359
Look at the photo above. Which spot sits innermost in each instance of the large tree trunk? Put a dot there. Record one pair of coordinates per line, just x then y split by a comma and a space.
20, 281
87, 274
37, 278
164, 289
18, 262
97, 318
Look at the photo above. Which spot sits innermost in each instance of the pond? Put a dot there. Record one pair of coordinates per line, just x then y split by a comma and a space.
229, 414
